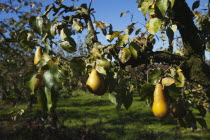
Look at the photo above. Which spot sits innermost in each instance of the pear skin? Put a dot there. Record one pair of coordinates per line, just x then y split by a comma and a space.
160, 107
96, 83
38, 55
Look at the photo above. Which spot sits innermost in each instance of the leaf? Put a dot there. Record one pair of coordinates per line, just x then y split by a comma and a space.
32, 23
68, 45
130, 28
153, 25
51, 79
162, 6
101, 70
39, 23
30, 80
170, 34
48, 97
122, 40
112, 97
137, 31
123, 13
77, 26
146, 91
41, 99
128, 100
196, 4
100, 24
124, 55
113, 35
77, 64
103, 63
23, 35
202, 122
171, 3
180, 80
167, 81
65, 33
134, 49
144, 5
155, 75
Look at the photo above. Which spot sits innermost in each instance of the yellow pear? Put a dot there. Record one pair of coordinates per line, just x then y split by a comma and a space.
160, 107
96, 83
38, 55
38, 80
178, 109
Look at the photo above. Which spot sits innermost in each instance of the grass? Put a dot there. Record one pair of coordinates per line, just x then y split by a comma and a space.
92, 117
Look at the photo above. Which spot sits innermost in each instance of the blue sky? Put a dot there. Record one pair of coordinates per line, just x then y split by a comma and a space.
109, 12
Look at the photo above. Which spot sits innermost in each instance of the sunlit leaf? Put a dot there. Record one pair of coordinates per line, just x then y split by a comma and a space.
144, 5
167, 81
124, 55
68, 45
180, 80
162, 6
65, 33
122, 40
153, 25
77, 26
112, 97
103, 63
48, 97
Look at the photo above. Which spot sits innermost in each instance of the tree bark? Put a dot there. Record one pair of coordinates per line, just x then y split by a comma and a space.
194, 68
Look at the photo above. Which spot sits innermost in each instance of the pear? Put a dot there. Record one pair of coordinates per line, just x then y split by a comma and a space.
160, 107
178, 109
96, 83
38, 80
38, 55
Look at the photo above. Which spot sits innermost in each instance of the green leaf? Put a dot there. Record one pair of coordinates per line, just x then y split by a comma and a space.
101, 70
41, 99
103, 63
39, 23
130, 28
202, 122
48, 96
155, 75
23, 35
122, 40
100, 24
65, 33
29, 80
124, 55
51, 79
171, 3
77, 26
170, 34
144, 5
68, 45
32, 23
134, 48
77, 64
127, 100
195, 5
113, 35
153, 25
123, 13
180, 80
162, 6
112, 97
146, 91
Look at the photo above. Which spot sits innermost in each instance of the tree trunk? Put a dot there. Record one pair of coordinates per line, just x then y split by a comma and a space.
195, 68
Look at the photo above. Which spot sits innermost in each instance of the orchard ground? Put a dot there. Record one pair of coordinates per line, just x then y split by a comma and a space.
85, 116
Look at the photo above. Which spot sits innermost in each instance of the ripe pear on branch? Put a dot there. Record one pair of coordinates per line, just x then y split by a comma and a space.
37, 57
96, 83
160, 107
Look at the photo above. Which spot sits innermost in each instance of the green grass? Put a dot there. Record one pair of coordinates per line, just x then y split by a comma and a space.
97, 118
